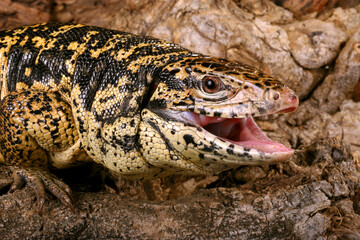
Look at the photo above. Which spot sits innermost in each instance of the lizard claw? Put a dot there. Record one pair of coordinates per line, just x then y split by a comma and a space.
18, 182
41, 180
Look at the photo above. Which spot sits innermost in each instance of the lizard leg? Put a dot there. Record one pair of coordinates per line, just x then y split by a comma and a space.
32, 125
41, 180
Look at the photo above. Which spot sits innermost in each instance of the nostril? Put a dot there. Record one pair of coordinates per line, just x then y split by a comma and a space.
276, 96
293, 96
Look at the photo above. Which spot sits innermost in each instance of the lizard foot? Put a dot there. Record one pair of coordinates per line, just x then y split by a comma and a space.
41, 180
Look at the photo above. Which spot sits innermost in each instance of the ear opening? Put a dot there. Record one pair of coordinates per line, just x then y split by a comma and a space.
152, 88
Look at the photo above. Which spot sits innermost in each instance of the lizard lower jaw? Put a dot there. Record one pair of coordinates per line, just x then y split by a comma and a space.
240, 131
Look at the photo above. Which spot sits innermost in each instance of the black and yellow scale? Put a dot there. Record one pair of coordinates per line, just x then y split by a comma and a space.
140, 106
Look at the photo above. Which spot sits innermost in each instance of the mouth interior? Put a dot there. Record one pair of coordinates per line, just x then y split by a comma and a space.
240, 131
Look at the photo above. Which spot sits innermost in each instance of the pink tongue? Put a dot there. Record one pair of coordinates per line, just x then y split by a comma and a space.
243, 132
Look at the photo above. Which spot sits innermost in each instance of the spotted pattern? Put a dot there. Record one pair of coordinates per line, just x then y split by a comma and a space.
72, 93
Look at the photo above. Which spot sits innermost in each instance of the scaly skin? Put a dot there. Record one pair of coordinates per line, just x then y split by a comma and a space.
140, 106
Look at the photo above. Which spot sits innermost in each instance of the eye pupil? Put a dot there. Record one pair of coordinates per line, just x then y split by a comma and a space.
211, 84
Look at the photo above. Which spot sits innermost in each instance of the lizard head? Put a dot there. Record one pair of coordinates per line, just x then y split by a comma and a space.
205, 108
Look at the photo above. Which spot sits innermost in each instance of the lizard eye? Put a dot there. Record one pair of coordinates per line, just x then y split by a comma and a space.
211, 84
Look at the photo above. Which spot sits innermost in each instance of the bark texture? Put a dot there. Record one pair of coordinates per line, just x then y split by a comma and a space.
315, 195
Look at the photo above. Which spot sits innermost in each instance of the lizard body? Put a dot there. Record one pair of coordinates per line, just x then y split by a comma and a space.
140, 106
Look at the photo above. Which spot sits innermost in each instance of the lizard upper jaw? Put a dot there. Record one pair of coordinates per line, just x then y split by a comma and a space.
240, 131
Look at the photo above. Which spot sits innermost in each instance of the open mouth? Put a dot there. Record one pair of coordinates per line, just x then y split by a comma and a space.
239, 131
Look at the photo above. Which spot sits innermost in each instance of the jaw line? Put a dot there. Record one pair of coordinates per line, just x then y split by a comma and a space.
241, 155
